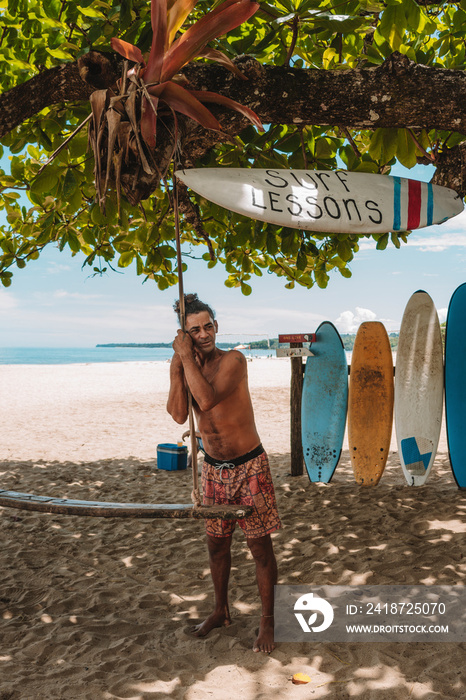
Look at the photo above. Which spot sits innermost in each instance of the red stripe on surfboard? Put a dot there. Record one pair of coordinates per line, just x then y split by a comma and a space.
414, 204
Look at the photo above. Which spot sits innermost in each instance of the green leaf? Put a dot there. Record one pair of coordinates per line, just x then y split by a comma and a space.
301, 261
162, 283
60, 54
272, 244
17, 168
18, 145
345, 272
90, 12
405, 149
395, 240
13, 216
382, 241
324, 148
383, 144
73, 242
392, 25
125, 13
45, 182
70, 184
5, 278
321, 278
126, 259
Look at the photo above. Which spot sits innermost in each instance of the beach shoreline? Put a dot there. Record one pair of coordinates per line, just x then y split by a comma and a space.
99, 609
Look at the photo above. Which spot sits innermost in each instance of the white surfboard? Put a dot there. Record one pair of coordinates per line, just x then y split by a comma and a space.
335, 201
418, 388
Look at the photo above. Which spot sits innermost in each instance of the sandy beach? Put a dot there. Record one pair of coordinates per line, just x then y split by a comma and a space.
99, 609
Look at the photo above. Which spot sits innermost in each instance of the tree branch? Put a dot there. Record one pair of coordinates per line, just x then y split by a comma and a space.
399, 93
68, 82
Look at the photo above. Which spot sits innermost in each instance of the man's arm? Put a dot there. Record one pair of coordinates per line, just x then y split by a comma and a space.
177, 404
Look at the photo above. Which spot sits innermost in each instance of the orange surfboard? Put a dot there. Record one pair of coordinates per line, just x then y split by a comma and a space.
370, 403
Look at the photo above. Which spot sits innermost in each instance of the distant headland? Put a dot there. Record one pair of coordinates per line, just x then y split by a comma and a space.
133, 345
347, 338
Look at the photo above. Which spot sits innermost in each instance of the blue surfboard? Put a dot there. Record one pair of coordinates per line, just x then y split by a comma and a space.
324, 404
455, 383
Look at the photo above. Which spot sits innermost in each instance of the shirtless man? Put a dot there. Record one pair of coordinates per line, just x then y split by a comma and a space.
235, 468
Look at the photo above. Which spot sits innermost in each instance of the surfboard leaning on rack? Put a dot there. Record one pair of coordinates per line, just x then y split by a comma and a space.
370, 403
324, 404
455, 383
418, 388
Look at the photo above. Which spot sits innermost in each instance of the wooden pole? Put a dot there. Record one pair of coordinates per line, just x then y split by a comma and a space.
105, 509
195, 495
296, 391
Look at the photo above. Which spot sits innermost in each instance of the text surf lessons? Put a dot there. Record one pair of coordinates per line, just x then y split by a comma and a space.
335, 201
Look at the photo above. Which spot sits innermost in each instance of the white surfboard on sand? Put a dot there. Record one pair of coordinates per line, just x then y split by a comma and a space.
418, 388
335, 201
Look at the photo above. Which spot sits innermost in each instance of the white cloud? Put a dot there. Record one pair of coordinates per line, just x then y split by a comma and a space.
366, 244
442, 314
390, 324
265, 321
54, 268
7, 301
63, 294
453, 225
432, 242
349, 321
432, 239
439, 243
41, 325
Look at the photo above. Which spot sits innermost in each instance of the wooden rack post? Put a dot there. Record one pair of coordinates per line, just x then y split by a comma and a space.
296, 351
296, 392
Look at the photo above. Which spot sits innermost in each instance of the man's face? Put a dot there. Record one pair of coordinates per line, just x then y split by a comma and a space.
202, 329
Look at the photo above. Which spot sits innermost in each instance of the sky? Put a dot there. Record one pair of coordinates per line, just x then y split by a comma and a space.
54, 303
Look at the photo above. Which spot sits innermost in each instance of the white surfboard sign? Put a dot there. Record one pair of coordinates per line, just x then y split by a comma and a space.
334, 201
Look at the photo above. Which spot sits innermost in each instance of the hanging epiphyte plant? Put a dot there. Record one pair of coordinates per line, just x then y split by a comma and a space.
123, 128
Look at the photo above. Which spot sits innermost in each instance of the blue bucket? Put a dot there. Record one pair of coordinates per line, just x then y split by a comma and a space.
172, 457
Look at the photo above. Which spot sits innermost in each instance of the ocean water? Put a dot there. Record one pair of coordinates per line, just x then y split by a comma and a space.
68, 356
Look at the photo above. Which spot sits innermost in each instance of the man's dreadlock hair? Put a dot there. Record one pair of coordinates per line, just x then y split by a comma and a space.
193, 305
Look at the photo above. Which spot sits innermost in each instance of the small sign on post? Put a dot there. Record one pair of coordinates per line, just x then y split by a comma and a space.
297, 338
296, 345
296, 351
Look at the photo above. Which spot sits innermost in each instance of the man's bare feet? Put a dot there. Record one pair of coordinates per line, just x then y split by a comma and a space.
264, 641
214, 620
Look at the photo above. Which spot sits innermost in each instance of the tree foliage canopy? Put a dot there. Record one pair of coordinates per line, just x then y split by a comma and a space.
352, 83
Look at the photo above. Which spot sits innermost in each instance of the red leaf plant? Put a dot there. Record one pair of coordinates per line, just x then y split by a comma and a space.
123, 127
